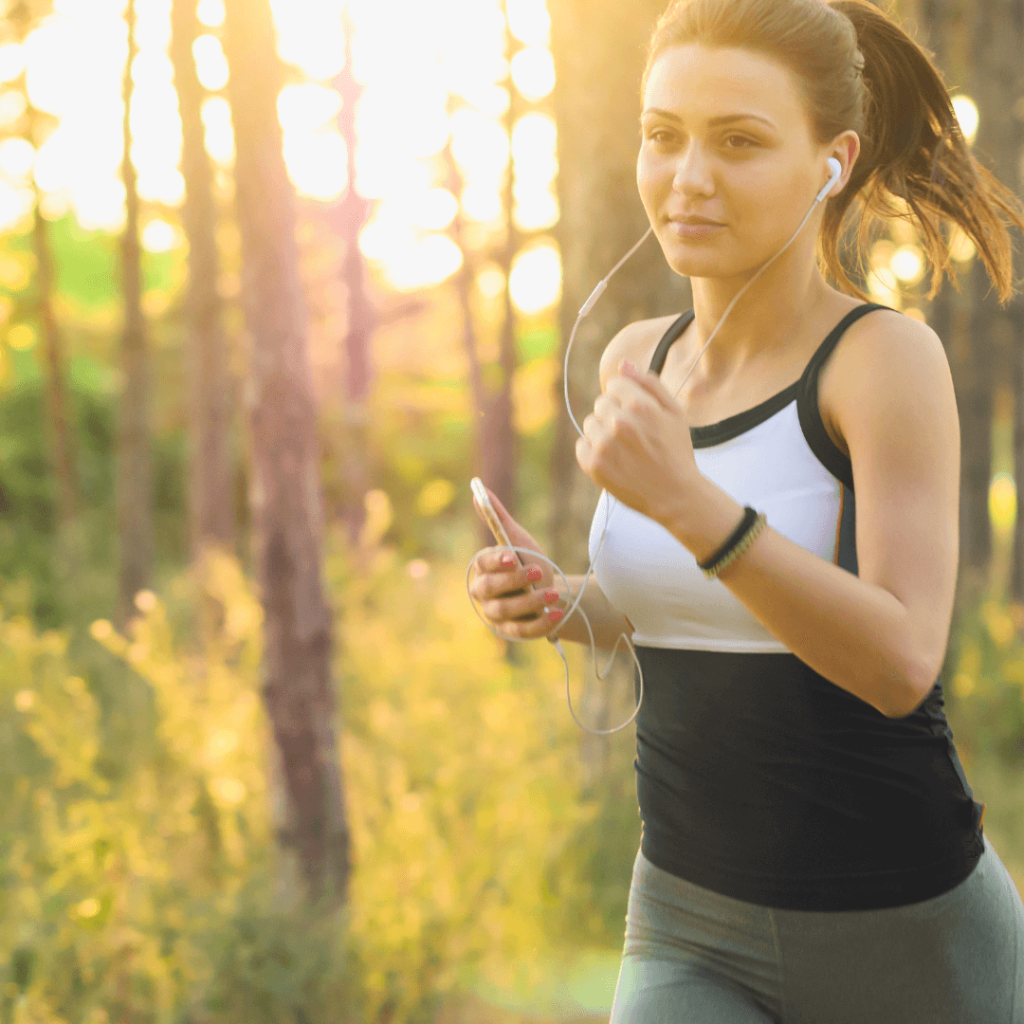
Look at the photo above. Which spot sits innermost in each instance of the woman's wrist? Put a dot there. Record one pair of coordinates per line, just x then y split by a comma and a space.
706, 520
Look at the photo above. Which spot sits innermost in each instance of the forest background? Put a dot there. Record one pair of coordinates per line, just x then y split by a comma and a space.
277, 279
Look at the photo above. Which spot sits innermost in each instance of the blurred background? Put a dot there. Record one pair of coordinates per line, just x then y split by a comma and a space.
277, 278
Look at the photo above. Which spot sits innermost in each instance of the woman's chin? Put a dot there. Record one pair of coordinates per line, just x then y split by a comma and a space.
691, 259
690, 264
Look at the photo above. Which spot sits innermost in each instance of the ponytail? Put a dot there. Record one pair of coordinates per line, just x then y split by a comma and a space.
859, 70
914, 151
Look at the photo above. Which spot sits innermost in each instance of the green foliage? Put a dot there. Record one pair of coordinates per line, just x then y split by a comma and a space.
155, 894
30, 555
111, 889
269, 964
88, 264
988, 681
463, 778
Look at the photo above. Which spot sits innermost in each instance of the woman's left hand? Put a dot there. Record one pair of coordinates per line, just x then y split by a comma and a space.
636, 445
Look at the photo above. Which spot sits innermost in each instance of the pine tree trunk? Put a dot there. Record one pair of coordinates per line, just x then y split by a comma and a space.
61, 428
470, 341
353, 211
943, 32
285, 491
1011, 162
211, 505
993, 81
135, 472
500, 442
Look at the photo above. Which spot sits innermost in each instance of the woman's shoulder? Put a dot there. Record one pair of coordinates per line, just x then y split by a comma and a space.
884, 352
636, 342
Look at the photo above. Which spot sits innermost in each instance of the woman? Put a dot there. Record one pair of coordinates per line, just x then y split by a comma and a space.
811, 850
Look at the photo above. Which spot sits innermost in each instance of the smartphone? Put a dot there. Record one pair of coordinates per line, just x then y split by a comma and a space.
500, 535
489, 515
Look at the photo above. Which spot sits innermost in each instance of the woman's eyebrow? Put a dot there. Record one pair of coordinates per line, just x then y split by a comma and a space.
712, 121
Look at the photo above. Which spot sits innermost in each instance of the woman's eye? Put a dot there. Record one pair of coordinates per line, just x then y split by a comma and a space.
658, 136
746, 142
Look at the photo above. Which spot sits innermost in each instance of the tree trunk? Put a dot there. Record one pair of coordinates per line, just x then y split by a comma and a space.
985, 53
942, 27
135, 476
499, 441
997, 85
974, 366
1011, 162
285, 491
464, 287
352, 213
57, 403
211, 505
599, 48
1015, 586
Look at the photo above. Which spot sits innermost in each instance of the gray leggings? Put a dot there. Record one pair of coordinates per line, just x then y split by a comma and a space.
694, 957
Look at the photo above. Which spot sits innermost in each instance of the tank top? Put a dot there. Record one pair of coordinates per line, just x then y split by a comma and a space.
756, 776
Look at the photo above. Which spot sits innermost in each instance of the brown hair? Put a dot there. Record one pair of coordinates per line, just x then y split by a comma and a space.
858, 69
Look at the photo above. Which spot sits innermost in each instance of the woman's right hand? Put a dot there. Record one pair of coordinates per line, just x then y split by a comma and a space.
508, 596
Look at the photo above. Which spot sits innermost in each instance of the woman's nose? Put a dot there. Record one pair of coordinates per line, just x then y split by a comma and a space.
692, 173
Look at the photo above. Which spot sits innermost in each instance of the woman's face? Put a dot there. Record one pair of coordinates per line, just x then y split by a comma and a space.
756, 175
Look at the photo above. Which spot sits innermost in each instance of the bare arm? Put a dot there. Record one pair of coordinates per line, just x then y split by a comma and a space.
881, 634
606, 620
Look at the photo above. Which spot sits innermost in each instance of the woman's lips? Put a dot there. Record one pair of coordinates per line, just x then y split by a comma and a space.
683, 230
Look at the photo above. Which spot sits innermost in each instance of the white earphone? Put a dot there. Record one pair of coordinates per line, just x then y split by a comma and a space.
837, 169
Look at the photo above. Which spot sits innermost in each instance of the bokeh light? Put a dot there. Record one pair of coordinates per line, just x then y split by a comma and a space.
307, 107
427, 261
219, 131
17, 157
21, 337
907, 264
1002, 502
211, 64
533, 72
529, 21
317, 163
420, 64
536, 279
160, 236
883, 286
967, 115
961, 245
210, 13
12, 61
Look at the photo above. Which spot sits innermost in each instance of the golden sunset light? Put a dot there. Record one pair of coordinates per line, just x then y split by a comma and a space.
408, 58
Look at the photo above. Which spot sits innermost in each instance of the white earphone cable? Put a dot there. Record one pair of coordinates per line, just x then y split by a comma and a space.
836, 171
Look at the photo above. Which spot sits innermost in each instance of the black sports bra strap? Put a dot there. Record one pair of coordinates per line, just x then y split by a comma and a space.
675, 329
808, 411
817, 361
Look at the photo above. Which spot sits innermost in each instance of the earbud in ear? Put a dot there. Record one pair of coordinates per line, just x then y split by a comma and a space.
837, 170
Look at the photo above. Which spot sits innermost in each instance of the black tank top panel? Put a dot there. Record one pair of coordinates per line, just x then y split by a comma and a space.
757, 777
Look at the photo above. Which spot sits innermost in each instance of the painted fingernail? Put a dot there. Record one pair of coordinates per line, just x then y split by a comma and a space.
507, 560
551, 596
555, 615
533, 574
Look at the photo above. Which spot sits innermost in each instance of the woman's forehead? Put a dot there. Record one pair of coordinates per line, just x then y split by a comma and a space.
697, 83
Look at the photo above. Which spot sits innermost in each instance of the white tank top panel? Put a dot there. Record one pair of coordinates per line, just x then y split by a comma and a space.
776, 457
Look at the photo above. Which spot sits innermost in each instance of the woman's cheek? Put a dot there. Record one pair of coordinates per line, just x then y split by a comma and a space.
652, 181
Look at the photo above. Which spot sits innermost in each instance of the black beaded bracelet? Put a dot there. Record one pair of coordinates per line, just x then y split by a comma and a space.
749, 519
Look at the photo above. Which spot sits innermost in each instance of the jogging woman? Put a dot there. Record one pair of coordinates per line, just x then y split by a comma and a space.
783, 547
